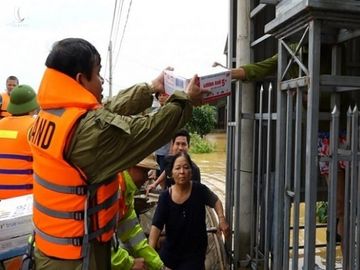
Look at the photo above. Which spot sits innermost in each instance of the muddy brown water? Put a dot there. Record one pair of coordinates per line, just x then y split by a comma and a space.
213, 165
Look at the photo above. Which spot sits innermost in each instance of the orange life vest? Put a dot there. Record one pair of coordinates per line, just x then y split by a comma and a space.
15, 157
68, 212
122, 200
4, 101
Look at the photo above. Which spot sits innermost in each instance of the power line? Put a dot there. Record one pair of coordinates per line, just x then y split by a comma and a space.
122, 36
114, 29
113, 20
111, 31
114, 45
117, 24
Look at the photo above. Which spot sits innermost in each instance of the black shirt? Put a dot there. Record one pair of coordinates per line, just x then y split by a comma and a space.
185, 224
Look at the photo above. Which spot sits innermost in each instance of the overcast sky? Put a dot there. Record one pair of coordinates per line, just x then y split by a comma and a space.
185, 34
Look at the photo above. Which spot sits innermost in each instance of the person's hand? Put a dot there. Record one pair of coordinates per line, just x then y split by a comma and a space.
150, 188
152, 175
158, 82
224, 227
194, 92
139, 264
215, 64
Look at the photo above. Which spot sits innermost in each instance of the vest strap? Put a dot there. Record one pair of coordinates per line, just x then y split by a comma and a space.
78, 190
75, 241
105, 204
20, 157
14, 171
110, 225
78, 215
12, 187
85, 252
95, 186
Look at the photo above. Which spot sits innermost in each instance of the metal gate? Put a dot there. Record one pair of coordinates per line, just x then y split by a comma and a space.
315, 39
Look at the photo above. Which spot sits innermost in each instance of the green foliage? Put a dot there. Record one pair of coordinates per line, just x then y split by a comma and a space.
203, 120
200, 145
321, 211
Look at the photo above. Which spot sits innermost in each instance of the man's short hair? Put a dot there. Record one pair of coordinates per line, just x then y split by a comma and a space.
182, 133
13, 78
72, 56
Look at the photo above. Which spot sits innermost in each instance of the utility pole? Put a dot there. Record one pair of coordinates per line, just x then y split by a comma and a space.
110, 68
243, 56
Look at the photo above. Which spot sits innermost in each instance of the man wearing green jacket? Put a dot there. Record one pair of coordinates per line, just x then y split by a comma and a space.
104, 141
134, 252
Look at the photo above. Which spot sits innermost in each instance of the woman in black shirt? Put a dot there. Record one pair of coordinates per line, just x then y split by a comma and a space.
181, 209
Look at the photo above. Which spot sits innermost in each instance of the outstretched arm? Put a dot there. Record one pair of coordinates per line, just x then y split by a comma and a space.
223, 225
236, 73
254, 72
158, 181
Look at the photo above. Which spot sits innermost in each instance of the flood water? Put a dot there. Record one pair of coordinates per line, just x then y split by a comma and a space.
213, 165
213, 171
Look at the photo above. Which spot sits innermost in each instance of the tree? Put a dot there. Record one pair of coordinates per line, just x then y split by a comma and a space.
203, 120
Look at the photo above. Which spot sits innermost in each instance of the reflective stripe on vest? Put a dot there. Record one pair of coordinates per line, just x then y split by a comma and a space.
16, 171
126, 225
76, 241
130, 224
133, 241
20, 157
19, 187
8, 134
79, 190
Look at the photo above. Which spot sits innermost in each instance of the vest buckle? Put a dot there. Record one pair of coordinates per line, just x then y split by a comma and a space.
80, 190
79, 215
77, 241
